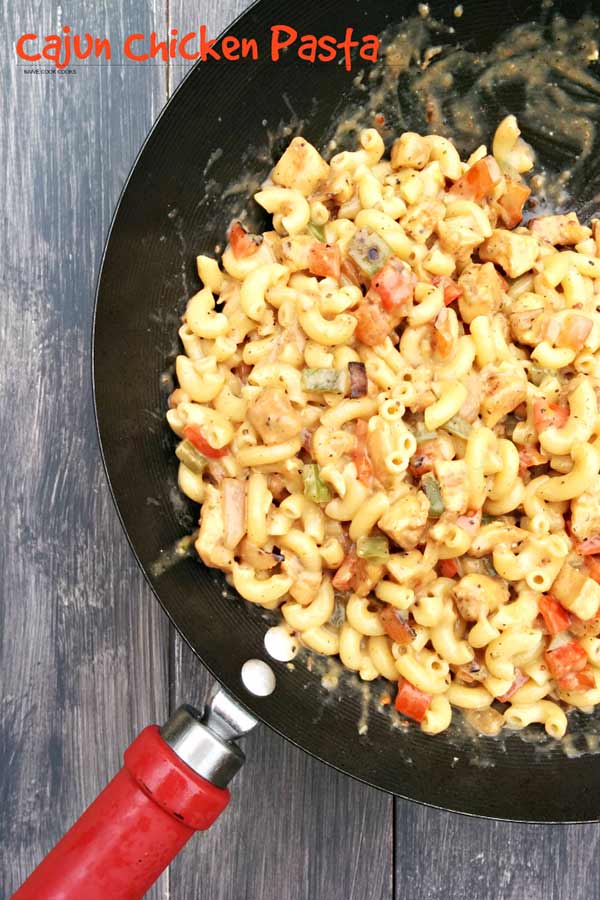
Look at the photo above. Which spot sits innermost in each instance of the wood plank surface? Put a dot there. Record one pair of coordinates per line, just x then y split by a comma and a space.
84, 645
443, 856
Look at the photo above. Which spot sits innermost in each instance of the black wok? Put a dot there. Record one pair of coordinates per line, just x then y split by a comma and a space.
176, 203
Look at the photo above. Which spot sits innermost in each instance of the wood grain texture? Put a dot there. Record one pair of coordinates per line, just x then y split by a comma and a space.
286, 806
84, 645
86, 657
443, 856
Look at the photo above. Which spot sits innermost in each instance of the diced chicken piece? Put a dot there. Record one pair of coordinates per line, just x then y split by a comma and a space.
410, 150
210, 541
411, 569
585, 512
301, 167
576, 592
478, 595
526, 319
560, 230
459, 235
504, 388
481, 291
420, 222
516, 253
406, 520
274, 417
452, 477
295, 251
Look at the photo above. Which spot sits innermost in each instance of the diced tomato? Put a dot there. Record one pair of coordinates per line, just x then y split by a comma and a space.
520, 680
395, 628
395, 285
588, 546
449, 568
470, 522
242, 243
412, 702
570, 657
193, 434
592, 565
546, 414
452, 290
478, 181
325, 260
511, 203
575, 332
360, 453
557, 618
374, 324
528, 457
344, 576
423, 460
577, 681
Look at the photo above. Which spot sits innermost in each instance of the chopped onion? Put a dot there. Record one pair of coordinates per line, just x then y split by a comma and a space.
358, 379
234, 512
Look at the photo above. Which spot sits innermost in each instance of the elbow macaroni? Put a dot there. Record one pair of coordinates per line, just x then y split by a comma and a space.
387, 437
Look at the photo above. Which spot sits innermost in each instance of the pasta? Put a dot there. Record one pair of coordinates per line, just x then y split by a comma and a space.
388, 411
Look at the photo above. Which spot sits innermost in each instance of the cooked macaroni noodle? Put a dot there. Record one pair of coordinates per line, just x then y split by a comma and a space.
388, 409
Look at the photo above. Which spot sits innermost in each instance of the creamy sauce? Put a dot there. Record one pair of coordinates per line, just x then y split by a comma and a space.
547, 74
181, 549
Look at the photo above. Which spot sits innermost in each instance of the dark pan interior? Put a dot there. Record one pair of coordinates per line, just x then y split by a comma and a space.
226, 124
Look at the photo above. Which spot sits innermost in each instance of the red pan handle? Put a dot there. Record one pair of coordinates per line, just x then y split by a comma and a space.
143, 817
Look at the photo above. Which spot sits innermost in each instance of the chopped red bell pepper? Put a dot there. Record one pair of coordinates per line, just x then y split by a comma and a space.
325, 260
478, 181
360, 453
343, 578
511, 203
570, 657
449, 568
557, 618
241, 242
588, 546
398, 630
423, 460
577, 681
412, 702
546, 414
452, 290
193, 434
395, 285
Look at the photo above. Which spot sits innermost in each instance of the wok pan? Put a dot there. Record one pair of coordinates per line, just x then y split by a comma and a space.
215, 141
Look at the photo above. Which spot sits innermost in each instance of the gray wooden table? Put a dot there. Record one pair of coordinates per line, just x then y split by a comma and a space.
88, 658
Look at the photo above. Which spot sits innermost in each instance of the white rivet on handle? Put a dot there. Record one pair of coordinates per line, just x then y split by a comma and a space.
258, 677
